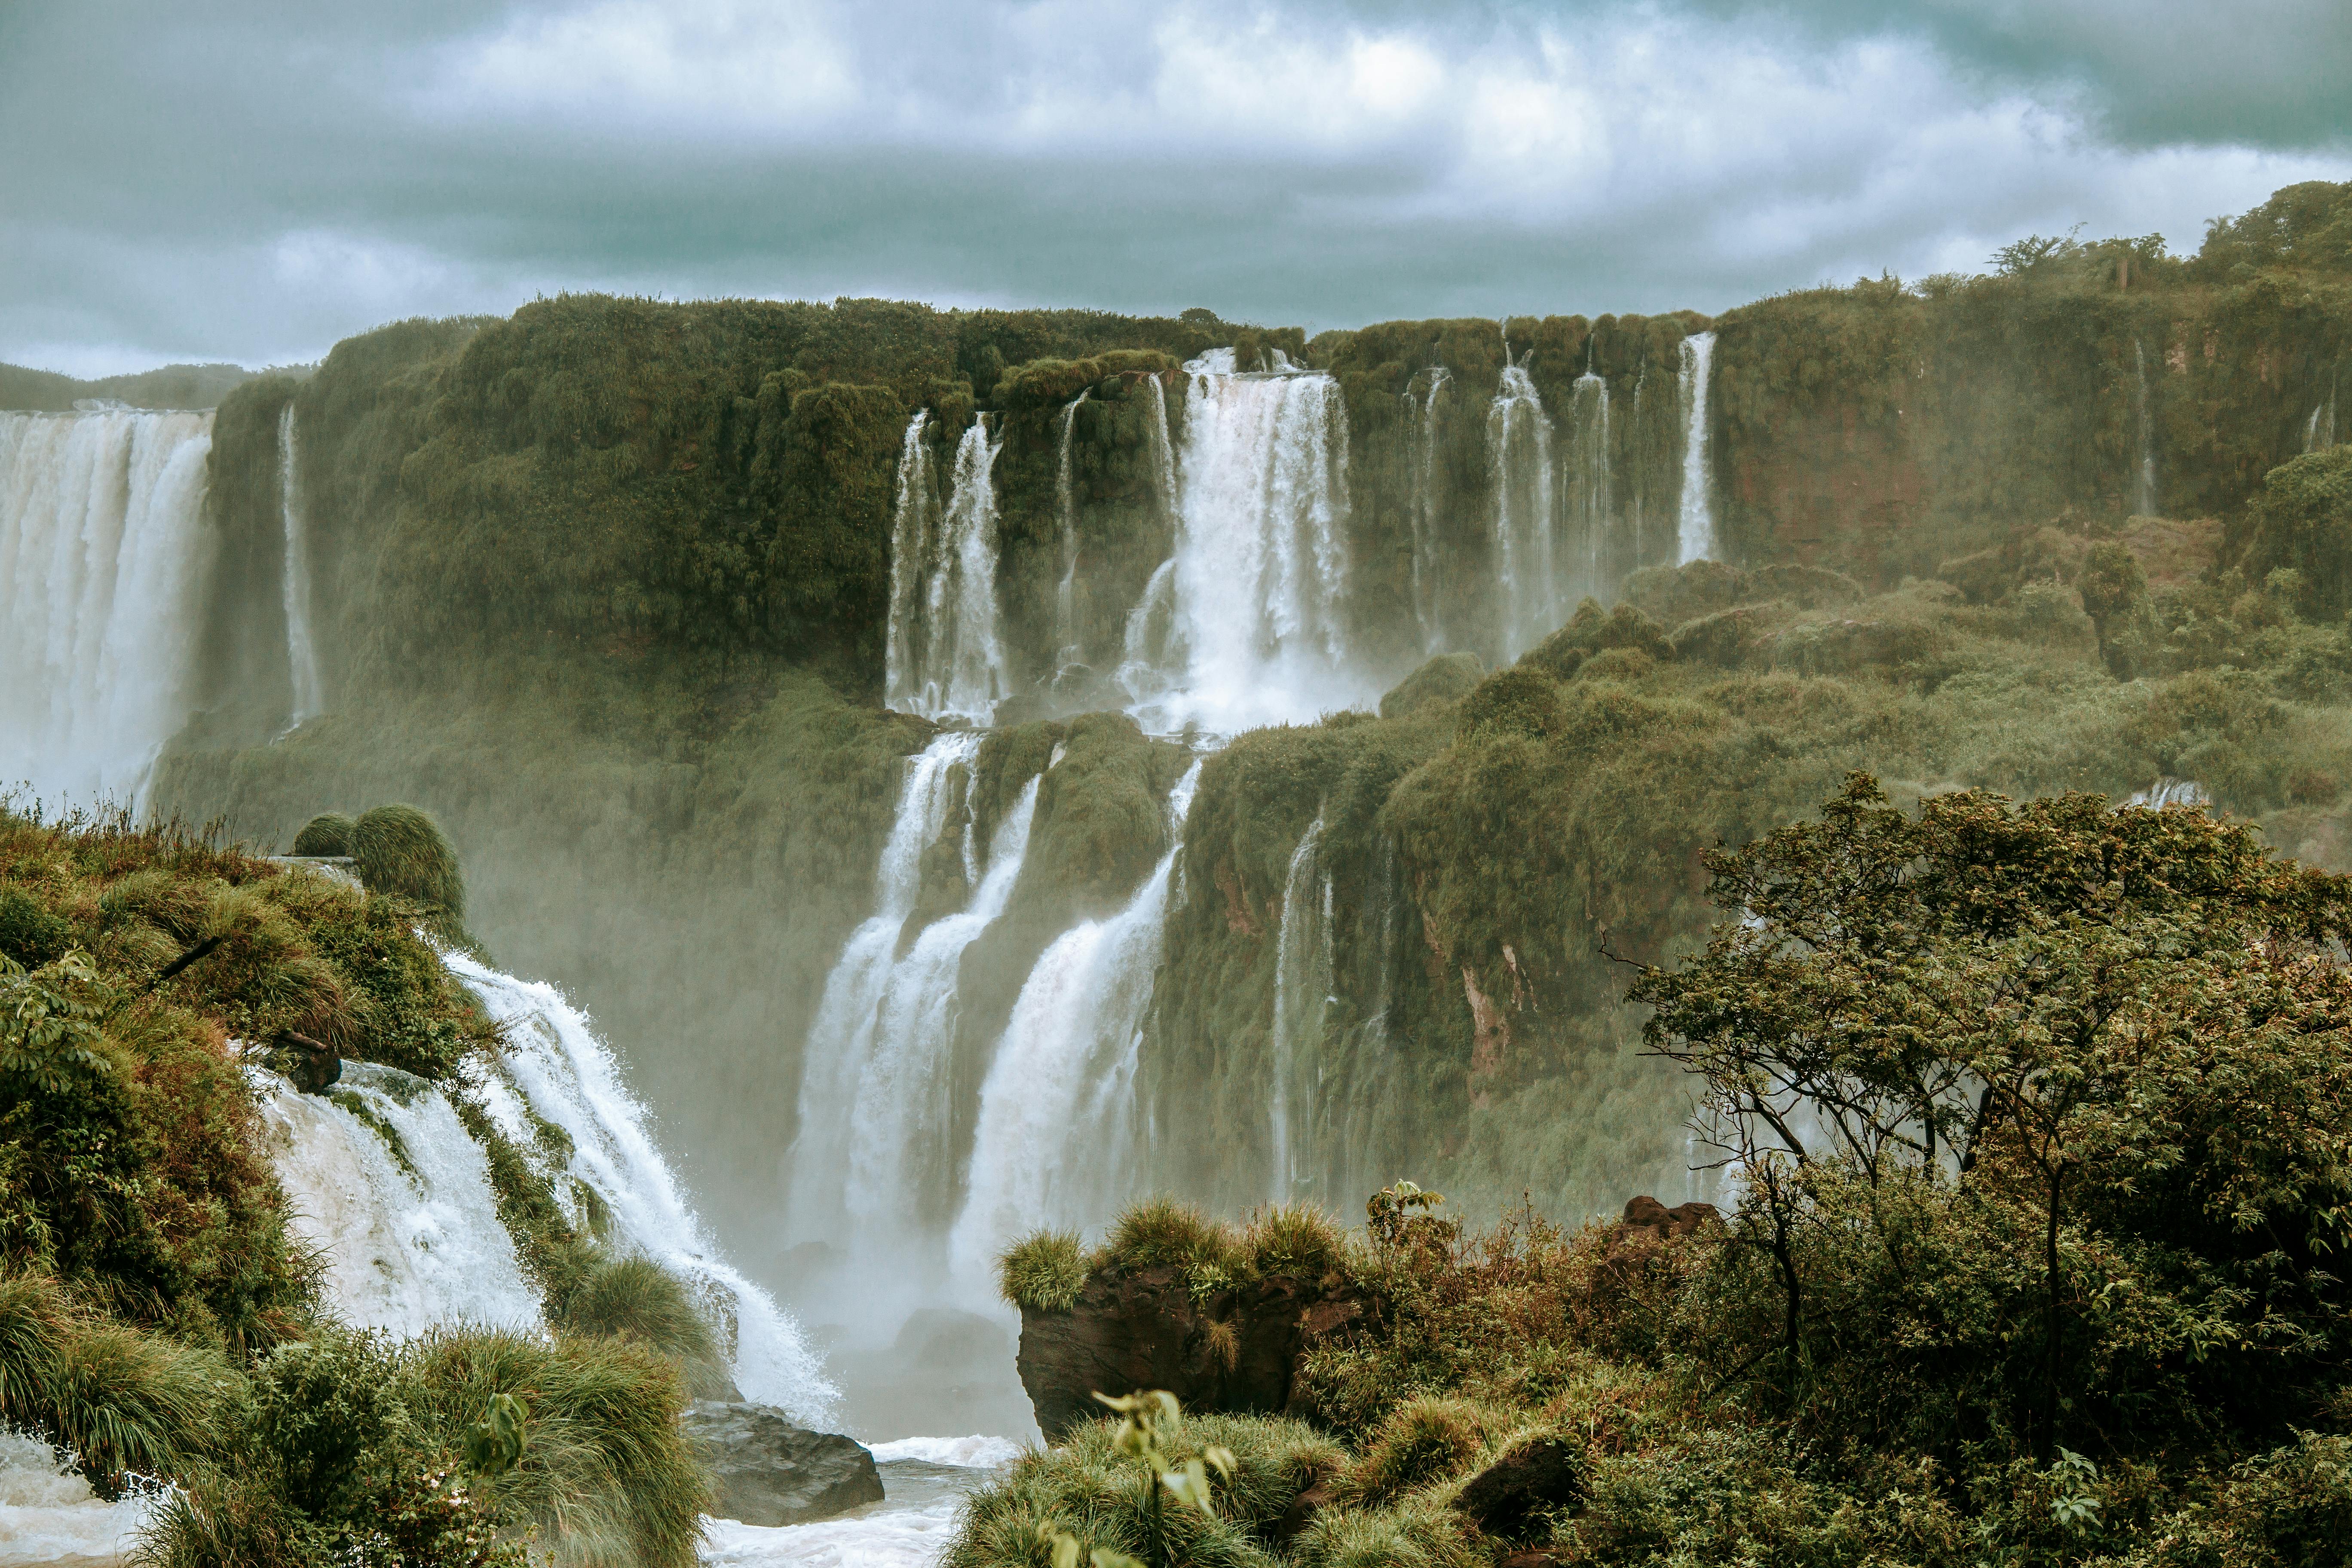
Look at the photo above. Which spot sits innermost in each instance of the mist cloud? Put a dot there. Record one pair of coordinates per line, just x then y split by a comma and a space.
238, 187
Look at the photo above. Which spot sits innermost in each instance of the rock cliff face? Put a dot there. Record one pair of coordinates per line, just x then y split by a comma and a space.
1233, 1351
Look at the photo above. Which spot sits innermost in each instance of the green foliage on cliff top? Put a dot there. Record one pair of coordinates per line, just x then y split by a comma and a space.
2037, 1109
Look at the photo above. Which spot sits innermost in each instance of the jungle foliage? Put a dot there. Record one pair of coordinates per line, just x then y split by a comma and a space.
157, 1317
2031, 1116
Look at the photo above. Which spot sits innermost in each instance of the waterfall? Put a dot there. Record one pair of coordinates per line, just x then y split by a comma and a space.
1066, 509
103, 565
552, 1071
1302, 980
1519, 450
2319, 430
1260, 568
1591, 498
301, 656
2143, 494
914, 517
1163, 451
383, 1182
875, 1095
1056, 1143
1695, 539
1422, 509
943, 657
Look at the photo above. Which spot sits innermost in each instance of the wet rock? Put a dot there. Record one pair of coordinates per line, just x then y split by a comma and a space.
1682, 1219
1508, 1498
1237, 1351
766, 1470
1304, 1508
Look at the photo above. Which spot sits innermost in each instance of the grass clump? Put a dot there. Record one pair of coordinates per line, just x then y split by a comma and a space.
1044, 1272
1103, 1497
329, 833
402, 851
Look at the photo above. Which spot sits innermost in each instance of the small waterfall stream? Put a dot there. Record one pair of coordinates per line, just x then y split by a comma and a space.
302, 653
944, 656
1694, 537
1518, 454
1056, 1141
1422, 509
103, 563
1302, 979
384, 1179
1591, 496
2143, 482
1066, 512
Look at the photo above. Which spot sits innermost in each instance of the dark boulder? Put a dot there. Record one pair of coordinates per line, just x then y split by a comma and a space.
1237, 1351
766, 1470
1649, 1214
1508, 1498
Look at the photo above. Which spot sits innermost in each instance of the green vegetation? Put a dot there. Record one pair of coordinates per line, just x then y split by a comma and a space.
2035, 1111
156, 1316
329, 834
1044, 1272
173, 386
402, 851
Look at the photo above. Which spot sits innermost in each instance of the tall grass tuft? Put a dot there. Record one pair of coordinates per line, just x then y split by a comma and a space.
1298, 1239
1044, 1272
329, 833
122, 1399
1162, 1230
402, 851
604, 1475
1102, 1497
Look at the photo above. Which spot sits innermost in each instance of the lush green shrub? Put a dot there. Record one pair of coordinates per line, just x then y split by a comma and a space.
402, 851
329, 833
29, 934
1162, 1231
1044, 1272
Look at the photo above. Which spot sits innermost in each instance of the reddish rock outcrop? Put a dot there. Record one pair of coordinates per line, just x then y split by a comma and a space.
1237, 1351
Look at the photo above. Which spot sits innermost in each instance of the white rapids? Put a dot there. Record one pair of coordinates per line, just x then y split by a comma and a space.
49, 1515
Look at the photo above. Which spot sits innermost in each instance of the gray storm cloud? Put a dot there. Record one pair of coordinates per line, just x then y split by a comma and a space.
235, 185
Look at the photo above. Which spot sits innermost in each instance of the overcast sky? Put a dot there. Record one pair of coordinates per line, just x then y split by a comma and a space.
213, 180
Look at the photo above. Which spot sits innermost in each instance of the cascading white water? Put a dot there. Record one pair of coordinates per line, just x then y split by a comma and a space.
48, 1514
1163, 451
1056, 1143
1591, 492
2319, 430
943, 656
383, 1182
874, 1098
1423, 509
1302, 978
302, 653
1518, 451
1260, 568
914, 517
1695, 536
2142, 493
1065, 512
103, 563
552, 1071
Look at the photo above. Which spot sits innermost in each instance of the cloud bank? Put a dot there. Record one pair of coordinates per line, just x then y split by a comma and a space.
243, 188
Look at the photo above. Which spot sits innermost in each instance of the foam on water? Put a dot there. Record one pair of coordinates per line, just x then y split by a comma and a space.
49, 1515
410, 1234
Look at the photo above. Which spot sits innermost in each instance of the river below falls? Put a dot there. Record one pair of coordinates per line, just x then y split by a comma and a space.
924, 1481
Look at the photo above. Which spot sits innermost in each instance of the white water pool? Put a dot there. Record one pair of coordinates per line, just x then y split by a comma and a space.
924, 1481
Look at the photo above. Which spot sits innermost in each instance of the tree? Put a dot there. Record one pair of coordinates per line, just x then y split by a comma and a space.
2132, 1028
